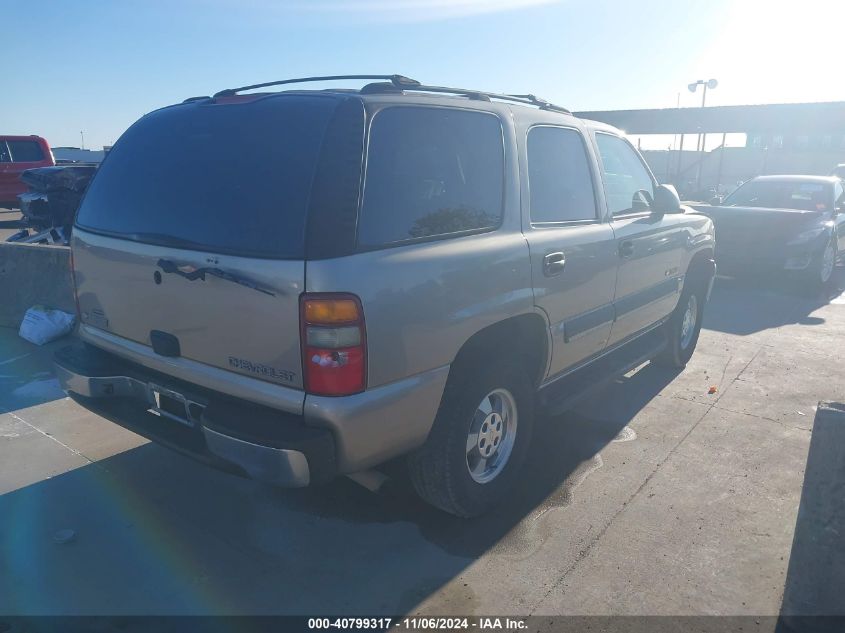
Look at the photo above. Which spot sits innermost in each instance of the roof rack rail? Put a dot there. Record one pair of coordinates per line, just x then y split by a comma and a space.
395, 83
478, 95
525, 99
399, 81
543, 104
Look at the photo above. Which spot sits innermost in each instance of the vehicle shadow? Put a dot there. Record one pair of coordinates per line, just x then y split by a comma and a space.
555, 467
155, 533
26, 372
747, 305
816, 575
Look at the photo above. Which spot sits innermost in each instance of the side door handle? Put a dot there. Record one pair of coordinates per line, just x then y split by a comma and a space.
626, 249
553, 263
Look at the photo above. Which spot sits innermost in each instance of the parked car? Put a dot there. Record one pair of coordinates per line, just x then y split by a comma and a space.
303, 284
49, 206
792, 224
17, 154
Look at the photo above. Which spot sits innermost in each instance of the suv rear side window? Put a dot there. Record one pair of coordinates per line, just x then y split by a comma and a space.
231, 178
431, 172
4, 153
560, 181
627, 184
25, 151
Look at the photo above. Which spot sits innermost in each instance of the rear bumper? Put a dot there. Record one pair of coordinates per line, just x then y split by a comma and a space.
236, 436
325, 437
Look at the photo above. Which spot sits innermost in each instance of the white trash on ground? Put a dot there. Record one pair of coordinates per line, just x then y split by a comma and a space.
41, 325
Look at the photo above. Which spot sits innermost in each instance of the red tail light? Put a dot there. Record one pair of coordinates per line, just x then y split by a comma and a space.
334, 344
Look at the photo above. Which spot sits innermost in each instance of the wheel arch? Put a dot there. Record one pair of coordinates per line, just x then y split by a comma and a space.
525, 335
702, 265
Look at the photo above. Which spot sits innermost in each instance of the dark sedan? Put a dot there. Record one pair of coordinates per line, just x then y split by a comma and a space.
781, 223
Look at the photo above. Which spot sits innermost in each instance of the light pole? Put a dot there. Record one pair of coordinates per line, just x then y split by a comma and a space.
702, 136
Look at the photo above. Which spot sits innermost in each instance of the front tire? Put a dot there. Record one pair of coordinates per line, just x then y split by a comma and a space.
683, 327
479, 440
821, 271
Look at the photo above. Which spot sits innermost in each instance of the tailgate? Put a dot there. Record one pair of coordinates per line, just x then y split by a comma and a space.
124, 290
191, 235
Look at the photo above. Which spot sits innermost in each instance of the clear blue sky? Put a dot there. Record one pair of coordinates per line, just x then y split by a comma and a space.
97, 65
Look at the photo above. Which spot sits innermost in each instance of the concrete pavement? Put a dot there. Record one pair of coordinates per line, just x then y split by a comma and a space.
654, 497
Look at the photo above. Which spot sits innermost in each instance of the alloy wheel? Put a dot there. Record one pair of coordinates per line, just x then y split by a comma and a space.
491, 435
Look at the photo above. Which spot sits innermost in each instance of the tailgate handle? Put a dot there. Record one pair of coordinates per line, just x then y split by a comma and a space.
191, 273
165, 344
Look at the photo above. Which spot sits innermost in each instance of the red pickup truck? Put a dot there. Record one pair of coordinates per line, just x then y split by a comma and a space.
18, 153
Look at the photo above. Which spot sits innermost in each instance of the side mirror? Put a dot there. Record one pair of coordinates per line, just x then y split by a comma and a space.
666, 200
642, 201
716, 201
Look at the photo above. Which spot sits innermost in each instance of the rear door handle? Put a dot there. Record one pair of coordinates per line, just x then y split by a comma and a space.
553, 263
626, 249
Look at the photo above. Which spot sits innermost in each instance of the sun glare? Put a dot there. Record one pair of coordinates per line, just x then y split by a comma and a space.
770, 52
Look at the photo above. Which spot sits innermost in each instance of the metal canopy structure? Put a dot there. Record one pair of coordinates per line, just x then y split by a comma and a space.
780, 118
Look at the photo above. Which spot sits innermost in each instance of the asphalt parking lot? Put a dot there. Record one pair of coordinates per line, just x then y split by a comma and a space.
654, 497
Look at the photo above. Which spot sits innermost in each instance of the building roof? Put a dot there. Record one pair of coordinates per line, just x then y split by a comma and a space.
776, 118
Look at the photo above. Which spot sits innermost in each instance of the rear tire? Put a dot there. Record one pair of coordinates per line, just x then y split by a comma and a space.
479, 440
684, 326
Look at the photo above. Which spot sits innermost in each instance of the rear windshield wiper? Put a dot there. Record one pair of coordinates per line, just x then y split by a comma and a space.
199, 273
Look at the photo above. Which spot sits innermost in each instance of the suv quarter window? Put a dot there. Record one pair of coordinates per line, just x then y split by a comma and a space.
4, 153
431, 172
628, 185
25, 151
560, 181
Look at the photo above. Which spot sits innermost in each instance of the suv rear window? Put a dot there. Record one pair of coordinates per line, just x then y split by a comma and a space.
227, 178
431, 172
25, 151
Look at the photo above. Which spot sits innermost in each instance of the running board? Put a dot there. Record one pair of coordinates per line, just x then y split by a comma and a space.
565, 392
